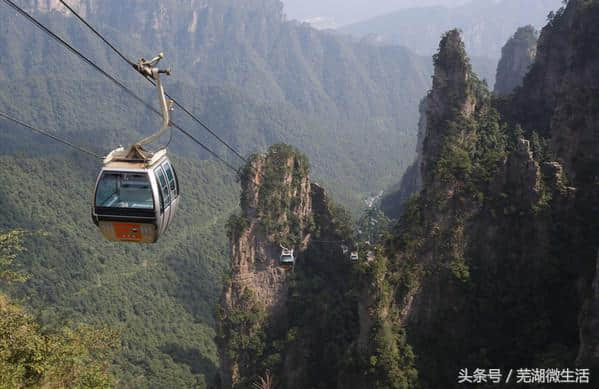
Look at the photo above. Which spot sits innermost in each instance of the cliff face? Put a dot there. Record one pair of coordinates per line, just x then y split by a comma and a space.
561, 99
324, 322
496, 258
274, 318
429, 250
276, 207
517, 56
560, 91
269, 214
276, 212
156, 11
588, 353
392, 203
454, 94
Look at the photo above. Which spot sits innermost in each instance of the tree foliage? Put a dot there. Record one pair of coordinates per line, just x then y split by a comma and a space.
32, 357
10, 246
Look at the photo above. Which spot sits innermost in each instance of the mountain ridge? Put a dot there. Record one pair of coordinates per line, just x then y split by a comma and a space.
486, 26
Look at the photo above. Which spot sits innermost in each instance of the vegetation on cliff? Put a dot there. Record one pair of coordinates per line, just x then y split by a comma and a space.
276, 210
282, 176
492, 265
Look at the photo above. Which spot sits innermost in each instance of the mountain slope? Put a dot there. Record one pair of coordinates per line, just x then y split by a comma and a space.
158, 298
252, 76
486, 24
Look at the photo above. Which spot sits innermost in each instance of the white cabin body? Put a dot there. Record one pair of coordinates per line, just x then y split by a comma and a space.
135, 200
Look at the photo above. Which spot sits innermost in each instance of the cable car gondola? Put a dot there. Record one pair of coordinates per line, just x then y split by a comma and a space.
287, 258
137, 191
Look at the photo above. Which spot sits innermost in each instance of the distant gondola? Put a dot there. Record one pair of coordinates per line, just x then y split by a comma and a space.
287, 258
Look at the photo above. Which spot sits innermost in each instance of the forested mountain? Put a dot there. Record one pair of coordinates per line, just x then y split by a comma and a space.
250, 75
493, 264
33, 356
159, 299
486, 25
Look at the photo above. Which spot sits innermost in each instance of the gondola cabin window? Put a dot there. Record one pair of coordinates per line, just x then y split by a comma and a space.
160, 177
170, 175
124, 190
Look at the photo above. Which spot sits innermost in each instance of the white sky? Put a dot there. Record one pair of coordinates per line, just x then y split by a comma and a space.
340, 12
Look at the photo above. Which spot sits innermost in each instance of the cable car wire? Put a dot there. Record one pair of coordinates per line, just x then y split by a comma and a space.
120, 54
113, 79
49, 135
206, 127
77, 53
98, 34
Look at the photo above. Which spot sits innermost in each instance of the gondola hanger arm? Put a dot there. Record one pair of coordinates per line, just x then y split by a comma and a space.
150, 70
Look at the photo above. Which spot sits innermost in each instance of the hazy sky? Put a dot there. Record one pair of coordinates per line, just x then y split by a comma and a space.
340, 12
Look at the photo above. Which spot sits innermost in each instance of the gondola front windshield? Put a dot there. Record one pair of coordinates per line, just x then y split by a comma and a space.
124, 190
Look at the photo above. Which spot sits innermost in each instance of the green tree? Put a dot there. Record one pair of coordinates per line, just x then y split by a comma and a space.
372, 225
10, 247
29, 357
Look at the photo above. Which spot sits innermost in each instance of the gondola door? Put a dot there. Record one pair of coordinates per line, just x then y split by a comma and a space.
165, 198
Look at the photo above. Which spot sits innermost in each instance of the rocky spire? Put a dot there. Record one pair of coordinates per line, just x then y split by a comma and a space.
517, 56
452, 96
276, 211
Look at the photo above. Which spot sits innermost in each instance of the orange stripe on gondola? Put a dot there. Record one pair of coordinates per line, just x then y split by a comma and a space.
127, 231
